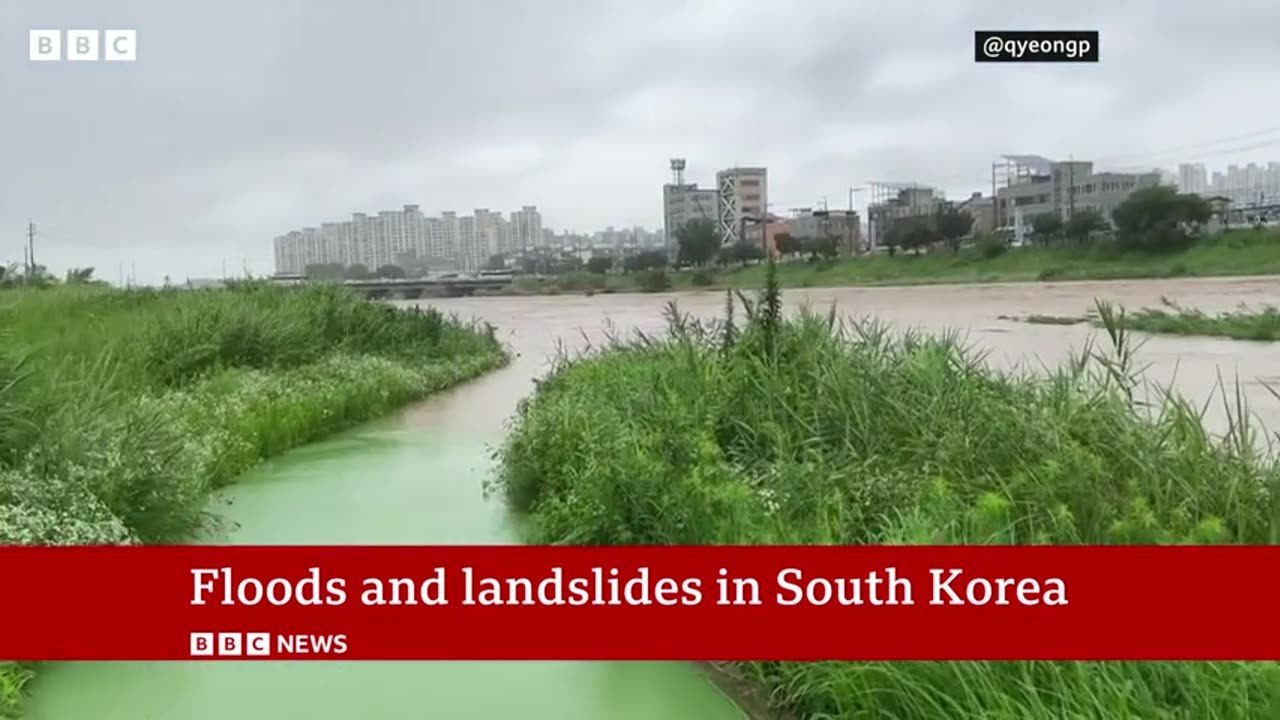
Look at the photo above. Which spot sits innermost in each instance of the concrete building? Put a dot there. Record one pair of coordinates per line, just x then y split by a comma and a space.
683, 203
743, 196
893, 201
808, 224
983, 211
1035, 185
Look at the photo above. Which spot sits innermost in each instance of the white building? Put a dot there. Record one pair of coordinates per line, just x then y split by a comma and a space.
526, 228
743, 196
406, 236
1193, 178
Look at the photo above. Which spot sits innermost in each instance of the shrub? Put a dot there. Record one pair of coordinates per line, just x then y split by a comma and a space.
120, 411
900, 440
653, 281
702, 278
990, 247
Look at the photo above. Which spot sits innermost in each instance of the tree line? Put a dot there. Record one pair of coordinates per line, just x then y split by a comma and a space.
12, 276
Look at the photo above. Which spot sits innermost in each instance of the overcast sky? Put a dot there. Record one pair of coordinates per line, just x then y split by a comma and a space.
243, 119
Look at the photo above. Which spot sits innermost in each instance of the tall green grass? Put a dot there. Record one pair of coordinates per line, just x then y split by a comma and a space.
815, 430
120, 411
1242, 324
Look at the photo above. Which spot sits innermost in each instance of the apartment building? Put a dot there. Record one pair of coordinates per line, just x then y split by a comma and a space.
407, 237
743, 197
526, 226
1193, 178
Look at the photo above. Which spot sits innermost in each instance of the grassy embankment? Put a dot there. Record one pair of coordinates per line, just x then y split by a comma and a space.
808, 431
121, 411
1240, 252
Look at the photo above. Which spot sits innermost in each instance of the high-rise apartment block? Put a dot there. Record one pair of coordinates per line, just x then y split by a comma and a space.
399, 237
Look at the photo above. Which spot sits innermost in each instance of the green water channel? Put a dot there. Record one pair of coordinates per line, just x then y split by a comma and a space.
394, 483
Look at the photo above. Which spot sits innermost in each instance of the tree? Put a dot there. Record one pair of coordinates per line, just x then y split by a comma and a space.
80, 276
647, 260
743, 252
1159, 218
496, 262
391, 272
1046, 226
787, 244
697, 241
1084, 223
599, 264
357, 271
911, 233
821, 247
652, 260
952, 224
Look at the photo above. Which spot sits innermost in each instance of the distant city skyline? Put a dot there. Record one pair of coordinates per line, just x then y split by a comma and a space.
1240, 184
407, 238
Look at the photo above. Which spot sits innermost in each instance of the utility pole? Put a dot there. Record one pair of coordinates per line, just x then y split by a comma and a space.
31, 247
995, 200
1071, 186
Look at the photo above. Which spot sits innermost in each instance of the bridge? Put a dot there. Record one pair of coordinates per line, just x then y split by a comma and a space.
412, 288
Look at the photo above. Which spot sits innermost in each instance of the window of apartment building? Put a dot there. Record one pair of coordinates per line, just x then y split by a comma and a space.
750, 182
751, 197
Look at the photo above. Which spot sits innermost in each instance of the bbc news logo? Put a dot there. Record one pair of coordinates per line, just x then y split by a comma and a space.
258, 644
84, 45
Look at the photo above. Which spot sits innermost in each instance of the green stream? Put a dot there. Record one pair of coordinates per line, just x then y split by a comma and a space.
393, 483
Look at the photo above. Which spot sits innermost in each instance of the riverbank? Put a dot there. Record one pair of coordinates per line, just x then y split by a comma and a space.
121, 411
893, 441
1235, 253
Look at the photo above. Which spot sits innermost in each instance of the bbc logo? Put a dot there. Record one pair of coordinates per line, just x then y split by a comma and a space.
205, 644
84, 45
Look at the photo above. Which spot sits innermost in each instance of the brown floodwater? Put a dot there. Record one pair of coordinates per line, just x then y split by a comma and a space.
1194, 366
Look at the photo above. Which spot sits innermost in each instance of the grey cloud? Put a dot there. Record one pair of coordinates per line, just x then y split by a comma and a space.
242, 119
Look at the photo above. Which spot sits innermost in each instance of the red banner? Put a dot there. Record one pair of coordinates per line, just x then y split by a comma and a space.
664, 603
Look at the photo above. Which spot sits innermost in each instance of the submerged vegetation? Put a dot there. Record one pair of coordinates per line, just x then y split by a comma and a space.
1242, 324
121, 410
810, 430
